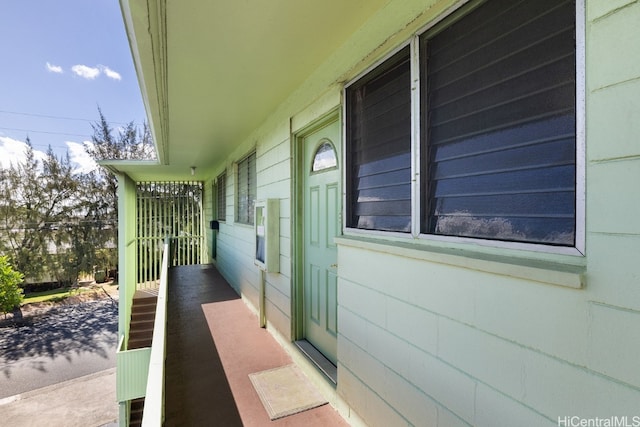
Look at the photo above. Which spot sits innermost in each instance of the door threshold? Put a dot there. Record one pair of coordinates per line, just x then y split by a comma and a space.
319, 360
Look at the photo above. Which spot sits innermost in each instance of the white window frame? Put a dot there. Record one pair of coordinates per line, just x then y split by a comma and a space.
578, 249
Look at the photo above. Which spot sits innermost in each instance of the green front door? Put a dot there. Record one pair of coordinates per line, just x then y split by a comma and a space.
321, 213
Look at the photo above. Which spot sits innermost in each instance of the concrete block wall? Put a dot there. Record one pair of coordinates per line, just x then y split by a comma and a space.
488, 349
613, 171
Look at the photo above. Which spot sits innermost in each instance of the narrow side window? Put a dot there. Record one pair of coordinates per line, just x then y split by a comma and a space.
246, 185
378, 121
222, 196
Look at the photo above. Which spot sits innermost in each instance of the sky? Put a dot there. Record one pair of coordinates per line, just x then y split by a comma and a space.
59, 61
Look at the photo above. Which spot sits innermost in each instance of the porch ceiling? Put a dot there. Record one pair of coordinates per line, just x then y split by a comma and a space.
211, 71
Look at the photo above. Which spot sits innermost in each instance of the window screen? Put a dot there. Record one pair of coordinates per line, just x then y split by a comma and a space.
222, 197
246, 189
498, 119
379, 147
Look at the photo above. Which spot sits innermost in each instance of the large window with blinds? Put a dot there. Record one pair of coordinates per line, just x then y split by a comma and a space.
246, 189
497, 140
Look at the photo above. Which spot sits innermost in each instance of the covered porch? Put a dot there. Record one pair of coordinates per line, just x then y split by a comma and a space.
436, 304
213, 343
189, 340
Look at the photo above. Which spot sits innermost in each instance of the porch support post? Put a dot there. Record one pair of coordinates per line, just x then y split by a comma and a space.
126, 250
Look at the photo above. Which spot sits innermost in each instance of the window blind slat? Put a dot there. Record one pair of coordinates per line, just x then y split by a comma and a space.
384, 193
542, 81
384, 223
529, 157
543, 104
474, 151
552, 203
384, 207
525, 181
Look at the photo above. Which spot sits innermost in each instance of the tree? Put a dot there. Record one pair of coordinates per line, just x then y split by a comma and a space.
10, 292
127, 143
95, 231
56, 224
38, 196
51, 218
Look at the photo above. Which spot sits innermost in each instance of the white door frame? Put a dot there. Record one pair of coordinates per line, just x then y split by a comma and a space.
297, 218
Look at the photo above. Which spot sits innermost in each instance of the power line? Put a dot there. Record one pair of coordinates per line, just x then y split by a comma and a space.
46, 116
55, 144
46, 132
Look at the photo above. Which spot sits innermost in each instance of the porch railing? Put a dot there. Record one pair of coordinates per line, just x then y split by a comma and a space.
153, 414
140, 372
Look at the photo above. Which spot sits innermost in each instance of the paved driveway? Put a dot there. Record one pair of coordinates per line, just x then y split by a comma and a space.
87, 401
65, 343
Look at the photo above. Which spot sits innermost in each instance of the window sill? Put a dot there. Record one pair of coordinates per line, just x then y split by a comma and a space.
243, 224
568, 272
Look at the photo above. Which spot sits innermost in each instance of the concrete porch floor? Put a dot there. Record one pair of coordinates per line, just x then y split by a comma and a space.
213, 344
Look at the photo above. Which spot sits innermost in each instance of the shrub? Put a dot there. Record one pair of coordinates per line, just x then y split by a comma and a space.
10, 292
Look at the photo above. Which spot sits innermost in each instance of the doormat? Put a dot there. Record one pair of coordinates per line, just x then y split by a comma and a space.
285, 391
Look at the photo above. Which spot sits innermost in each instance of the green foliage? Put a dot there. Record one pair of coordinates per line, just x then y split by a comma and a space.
102, 196
56, 223
127, 144
10, 292
36, 196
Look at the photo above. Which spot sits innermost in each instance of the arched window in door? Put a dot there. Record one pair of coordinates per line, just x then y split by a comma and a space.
325, 157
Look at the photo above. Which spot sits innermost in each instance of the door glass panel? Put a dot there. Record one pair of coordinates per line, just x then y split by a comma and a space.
324, 158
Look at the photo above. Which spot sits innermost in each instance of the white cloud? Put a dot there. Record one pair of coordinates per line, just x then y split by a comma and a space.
111, 73
90, 73
84, 163
13, 152
86, 72
54, 68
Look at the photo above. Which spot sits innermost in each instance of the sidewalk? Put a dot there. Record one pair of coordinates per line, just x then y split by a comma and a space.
88, 401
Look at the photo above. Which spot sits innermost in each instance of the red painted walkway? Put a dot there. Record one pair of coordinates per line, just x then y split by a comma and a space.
214, 343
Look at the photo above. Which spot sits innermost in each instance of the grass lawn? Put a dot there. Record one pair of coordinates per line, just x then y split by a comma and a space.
51, 295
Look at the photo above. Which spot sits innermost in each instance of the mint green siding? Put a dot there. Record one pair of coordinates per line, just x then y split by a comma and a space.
235, 242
